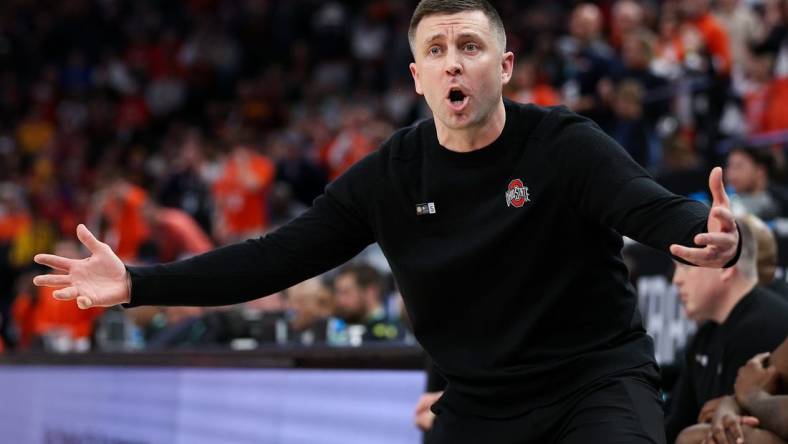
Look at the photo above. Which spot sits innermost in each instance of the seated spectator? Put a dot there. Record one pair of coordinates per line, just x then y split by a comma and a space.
311, 304
758, 411
739, 320
358, 290
15, 220
748, 172
180, 327
45, 323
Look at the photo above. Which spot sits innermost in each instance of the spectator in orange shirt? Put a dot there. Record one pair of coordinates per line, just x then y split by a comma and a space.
121, 206
42, 318
351, 144
241, 195
714, 38
14, 221
764, 105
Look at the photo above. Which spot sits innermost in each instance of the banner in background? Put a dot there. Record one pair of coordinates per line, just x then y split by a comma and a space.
114, 405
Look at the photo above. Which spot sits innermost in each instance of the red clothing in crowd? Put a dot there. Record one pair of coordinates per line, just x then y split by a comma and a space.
541, 94
716, 41
241, 193
127, 223
177, 234
11, 225
349, 147
765, 107
36, 317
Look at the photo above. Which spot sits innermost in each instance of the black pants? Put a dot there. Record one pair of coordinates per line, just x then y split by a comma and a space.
622, 409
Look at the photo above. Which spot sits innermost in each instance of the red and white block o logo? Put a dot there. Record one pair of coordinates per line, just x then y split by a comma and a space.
517, 195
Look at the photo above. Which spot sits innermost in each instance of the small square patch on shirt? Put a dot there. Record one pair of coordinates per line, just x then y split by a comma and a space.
425, 208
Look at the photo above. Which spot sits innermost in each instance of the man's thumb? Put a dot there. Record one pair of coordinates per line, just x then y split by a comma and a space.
84, 302
717, 187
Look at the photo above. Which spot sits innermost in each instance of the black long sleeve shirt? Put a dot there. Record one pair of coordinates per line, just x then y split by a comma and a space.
757, 324
508, 257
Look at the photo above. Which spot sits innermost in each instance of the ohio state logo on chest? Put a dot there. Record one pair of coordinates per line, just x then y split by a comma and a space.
517, 194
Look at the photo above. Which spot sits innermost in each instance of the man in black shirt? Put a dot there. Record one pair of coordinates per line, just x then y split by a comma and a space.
502, 224
758, 412
739, 320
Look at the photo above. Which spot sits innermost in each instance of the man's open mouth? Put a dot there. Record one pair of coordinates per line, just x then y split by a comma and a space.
457, 98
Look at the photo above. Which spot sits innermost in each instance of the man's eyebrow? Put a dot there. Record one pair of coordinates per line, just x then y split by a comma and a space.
462, 35
469, 35
433, 37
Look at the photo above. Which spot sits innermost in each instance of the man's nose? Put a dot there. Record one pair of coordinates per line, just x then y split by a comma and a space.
677, 276
453, 65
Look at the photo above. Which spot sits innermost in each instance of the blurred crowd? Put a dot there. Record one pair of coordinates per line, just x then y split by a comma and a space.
171, 127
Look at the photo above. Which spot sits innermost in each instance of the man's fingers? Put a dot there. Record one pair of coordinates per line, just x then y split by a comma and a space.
733, 429
760, 358
52, 280
87, 239
56, 262
718, 434
697, 256
722, 241
724, 216
66, 294
717, 188
423, 405
84, 302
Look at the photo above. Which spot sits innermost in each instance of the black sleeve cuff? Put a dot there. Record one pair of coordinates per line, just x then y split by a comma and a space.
133, 302
735, 259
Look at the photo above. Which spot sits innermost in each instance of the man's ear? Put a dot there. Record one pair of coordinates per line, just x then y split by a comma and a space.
414, 71
507, 67
729, 273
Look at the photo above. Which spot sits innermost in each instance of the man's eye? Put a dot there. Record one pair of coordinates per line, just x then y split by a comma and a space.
435, 50
470, 47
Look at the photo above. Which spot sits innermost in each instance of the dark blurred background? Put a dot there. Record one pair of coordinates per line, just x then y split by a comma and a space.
172, 127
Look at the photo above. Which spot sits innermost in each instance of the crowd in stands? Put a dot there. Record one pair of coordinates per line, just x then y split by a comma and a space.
172, 127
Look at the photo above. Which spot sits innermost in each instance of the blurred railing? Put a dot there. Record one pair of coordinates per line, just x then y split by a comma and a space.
371, 356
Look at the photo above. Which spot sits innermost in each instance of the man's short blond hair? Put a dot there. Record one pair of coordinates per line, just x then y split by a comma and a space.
444, 7
766, 247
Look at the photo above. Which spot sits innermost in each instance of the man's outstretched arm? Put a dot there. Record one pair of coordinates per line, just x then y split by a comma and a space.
605, 185
325, 236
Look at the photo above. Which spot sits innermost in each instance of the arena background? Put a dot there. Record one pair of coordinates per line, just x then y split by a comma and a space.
171, 127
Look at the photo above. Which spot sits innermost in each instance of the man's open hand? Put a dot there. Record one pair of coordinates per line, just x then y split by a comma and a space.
97, 281
717, 246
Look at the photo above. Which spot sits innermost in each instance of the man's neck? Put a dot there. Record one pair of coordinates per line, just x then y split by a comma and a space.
473, 138
736, 293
